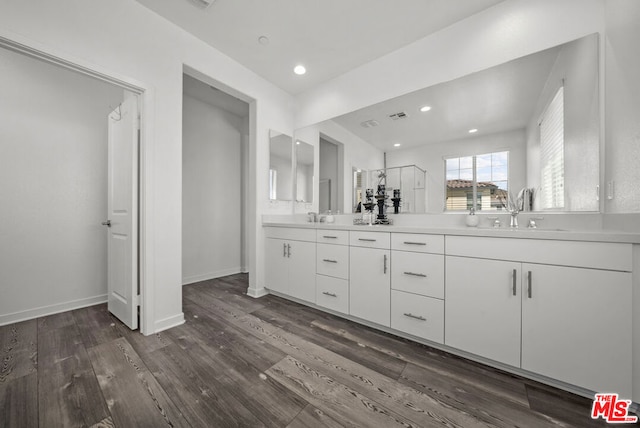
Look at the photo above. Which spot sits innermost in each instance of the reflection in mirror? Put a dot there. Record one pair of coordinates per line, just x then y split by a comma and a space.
509, 108
304, 172
359, 184
280, 166
405, 186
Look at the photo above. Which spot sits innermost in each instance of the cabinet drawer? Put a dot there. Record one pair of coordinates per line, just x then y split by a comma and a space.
418, 242
418, 273
332, 293
327, 236
418, 315
332, 260
290, 233
370, 239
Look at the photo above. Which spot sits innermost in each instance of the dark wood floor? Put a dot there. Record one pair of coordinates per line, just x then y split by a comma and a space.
239, 361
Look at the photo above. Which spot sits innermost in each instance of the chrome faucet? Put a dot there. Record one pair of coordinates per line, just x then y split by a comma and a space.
514, 218
312, 217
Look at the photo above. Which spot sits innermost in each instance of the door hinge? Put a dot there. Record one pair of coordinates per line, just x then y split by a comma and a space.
136, 300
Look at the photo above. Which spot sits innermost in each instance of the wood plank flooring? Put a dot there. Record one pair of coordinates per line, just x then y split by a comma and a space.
244, 362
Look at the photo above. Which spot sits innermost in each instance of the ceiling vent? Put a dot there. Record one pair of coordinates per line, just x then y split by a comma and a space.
369, 123
398, 116
203, 3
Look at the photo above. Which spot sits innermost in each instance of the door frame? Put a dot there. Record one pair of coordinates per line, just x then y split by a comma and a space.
145, 96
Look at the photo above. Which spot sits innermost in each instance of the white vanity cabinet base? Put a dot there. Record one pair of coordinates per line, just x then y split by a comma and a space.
576, 327
418, 315
332, 293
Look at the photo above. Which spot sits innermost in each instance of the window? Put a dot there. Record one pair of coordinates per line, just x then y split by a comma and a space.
552, 154
487, 174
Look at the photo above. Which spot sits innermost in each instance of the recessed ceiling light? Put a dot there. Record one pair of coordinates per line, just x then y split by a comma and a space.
263, 40
298, 142
397, 145
473, 131
300, 69
425, 108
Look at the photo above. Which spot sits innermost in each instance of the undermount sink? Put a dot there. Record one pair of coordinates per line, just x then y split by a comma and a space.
522, 229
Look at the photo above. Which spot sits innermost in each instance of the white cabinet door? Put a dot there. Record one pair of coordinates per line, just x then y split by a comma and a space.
276, 266
576, 326
370, 285
483, 307
302, 270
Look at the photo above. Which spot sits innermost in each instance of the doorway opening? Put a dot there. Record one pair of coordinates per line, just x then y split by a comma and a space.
54, 170
215, 159
331, 165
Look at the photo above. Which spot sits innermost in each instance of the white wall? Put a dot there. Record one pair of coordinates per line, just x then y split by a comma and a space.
53, 191
211, 191
126, 40
431, 158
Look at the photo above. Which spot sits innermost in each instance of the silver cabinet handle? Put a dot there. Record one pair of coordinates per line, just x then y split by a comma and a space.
284, 247
329, 261
366, 240
329, 237
529, 285
421, 275
329, 294
288, 250
385, 263
414, 243
107, 223
415, 317
515, 277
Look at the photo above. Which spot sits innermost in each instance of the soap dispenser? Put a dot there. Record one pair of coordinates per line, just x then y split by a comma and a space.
472, 219
330, 218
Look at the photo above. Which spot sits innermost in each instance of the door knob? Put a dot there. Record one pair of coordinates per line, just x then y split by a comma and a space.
107, 223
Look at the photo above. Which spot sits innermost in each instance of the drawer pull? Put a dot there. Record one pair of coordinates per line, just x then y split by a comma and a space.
329, 294
329, 261
329, 237
385, 263
366, 240
415, 317
414, 243
529, 285
515, 276
421, 275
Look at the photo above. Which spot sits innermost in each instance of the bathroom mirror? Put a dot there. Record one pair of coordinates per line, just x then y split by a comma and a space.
280, 166
304, 172
505, 104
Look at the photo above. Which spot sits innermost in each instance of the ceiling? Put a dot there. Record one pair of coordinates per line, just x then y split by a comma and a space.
498, 99
330, 37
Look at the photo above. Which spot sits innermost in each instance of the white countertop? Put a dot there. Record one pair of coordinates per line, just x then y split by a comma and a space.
502, 232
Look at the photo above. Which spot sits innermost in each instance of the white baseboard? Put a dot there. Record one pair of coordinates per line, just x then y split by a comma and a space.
211, 275
168, 323
257, 292
43, 311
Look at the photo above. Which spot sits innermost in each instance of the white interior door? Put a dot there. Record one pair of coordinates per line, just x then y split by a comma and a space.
122, 220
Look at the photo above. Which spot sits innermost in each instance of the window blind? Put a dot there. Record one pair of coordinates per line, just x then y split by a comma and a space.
552, 153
